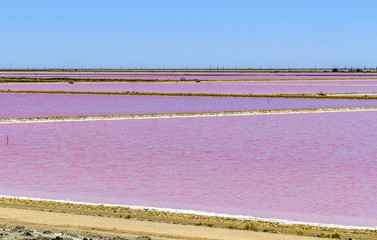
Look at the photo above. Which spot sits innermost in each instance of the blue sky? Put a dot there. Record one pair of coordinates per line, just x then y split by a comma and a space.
187, 33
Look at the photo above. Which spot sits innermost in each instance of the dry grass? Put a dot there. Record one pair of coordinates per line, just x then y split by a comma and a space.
306, 96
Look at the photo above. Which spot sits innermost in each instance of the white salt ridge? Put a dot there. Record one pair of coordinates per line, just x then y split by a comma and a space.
201, 213
181, 115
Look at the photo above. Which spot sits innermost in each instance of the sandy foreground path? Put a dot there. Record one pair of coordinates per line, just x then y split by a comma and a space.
134, 227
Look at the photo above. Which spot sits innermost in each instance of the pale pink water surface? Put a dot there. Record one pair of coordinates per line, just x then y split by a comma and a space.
307, 82
48, 105
193, 88
307, 167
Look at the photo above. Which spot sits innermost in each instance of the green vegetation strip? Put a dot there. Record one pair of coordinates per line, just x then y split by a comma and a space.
313, 95
182, 115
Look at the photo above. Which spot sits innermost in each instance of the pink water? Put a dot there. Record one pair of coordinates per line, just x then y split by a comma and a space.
306, 167
47, 105
186, 75
193, 88
307, 82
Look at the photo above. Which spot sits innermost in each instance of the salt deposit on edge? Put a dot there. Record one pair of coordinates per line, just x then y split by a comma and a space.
182, 115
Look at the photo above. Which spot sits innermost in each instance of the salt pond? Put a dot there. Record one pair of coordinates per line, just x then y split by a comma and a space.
306, 167
229, 88
49, 105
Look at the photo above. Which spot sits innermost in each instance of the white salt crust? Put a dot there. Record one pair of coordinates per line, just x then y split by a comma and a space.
182, 115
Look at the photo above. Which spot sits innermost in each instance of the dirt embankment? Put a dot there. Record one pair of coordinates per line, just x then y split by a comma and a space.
346, 95
116, 221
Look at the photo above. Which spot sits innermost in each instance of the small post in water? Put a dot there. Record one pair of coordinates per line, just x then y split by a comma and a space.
7, 139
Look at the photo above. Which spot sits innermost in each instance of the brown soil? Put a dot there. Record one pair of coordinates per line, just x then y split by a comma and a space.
298, 95
77, 218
